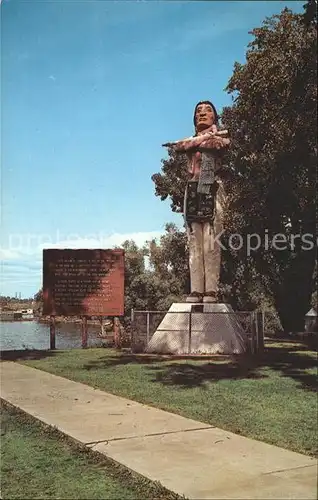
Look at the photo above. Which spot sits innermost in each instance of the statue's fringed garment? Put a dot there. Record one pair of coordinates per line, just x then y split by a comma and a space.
207, 173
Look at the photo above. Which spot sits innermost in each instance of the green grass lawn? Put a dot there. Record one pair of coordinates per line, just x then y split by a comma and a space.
38, 462
272, 398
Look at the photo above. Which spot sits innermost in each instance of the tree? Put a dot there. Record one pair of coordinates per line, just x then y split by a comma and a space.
38, 298
274, 153
156, 286
169, 262
310, 14
135, 276
172, 180
272, 160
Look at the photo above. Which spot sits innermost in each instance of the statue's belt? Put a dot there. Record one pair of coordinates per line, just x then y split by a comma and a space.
198, 206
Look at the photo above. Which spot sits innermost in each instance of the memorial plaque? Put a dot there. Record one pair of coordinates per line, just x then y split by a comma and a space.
83, 282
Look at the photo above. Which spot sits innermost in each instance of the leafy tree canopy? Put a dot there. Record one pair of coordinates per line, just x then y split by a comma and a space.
272, 164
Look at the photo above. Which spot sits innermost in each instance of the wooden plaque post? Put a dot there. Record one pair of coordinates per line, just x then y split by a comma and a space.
84, 332
52, 332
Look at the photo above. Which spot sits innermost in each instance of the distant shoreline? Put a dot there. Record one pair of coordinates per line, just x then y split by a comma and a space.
46, 320
16, 320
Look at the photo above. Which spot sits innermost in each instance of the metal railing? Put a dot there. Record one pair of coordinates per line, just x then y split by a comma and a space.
145, 323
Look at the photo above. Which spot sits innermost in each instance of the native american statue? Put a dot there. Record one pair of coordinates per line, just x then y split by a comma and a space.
204, 201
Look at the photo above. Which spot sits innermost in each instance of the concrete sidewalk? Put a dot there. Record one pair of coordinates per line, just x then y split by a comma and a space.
188, 457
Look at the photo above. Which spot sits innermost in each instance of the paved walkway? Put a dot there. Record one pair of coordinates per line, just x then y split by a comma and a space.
191, 458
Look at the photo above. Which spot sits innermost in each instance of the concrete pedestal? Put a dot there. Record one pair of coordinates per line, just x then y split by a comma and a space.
199, 329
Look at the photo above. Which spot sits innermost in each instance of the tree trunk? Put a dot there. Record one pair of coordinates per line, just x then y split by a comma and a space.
293, 296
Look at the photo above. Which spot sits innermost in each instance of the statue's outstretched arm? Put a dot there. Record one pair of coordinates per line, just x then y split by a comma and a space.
213, 139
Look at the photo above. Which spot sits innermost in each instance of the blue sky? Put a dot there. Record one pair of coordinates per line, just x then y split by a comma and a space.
90, 91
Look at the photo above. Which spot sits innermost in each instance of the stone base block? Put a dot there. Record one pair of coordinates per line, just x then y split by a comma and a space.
215, 329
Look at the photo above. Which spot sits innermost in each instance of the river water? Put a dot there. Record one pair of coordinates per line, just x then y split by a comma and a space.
16, 335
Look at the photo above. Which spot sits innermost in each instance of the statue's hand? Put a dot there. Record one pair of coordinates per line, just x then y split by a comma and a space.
178, 146
216, 142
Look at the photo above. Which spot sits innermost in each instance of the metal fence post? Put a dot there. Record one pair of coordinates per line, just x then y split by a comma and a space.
260, 331
253, 332
190, 331
256, 333
132, 326
148, 327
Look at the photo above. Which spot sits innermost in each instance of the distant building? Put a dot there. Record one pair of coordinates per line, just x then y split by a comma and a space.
25, 313
311, 324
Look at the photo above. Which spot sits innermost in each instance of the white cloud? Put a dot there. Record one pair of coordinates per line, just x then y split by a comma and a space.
7, 254
101, 241
22, 266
